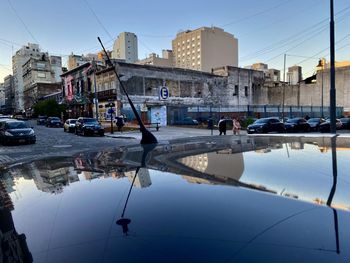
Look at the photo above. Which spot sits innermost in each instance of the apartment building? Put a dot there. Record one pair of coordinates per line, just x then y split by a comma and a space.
125, 47
167, 59
205, 48
18, 60
41, 76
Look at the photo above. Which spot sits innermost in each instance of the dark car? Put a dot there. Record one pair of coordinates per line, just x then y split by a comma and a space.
315, 123
41, 120
346, 123
186, 121
266, 125
53, 122
88, 126
326, 126
15, 131
297, 125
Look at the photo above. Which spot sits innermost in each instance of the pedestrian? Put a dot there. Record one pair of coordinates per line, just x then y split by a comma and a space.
120, 123
222, 126
236, 126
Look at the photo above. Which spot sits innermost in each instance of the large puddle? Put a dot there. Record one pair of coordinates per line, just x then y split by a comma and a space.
215, 199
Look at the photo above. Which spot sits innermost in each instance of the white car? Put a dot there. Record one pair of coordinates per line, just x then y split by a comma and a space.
69, 125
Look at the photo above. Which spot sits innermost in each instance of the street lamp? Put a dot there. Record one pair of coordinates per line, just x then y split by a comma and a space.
321, 65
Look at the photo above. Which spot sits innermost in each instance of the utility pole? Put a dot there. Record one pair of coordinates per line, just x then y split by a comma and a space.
95, 89
332, 92
284, 84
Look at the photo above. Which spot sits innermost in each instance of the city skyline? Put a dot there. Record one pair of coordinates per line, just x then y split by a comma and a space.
61, 28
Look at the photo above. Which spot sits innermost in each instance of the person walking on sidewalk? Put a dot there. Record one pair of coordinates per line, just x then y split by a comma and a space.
222, 126
236, 126
120, 123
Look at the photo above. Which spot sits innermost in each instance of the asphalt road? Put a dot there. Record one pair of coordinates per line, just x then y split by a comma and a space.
55, 142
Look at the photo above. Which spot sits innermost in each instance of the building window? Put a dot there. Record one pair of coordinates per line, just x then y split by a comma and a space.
246, 91
41, 75
236, 91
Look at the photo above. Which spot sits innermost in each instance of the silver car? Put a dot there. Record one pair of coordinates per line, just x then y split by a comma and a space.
69, 125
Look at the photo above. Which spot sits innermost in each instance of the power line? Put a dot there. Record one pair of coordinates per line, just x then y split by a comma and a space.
255, 14
20, 19
298, 35
305, 40
97, 19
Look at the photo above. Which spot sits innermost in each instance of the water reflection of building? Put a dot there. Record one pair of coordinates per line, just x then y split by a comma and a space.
13, 247
297, 145
221, 164
51, 177
143, 178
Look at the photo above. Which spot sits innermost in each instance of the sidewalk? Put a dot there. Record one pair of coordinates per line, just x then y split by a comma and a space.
169, 133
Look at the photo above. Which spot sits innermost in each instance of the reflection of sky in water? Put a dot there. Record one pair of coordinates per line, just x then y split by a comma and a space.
306, 173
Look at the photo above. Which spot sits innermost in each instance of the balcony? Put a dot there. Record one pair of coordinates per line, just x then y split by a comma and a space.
105, 95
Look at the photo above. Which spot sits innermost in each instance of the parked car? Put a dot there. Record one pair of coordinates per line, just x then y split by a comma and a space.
297, 125
69, 125
326, 126
186, 121
53, 122
265, 125
345, 122
315, 123
15, 131
5, 117
88, 126
41, 120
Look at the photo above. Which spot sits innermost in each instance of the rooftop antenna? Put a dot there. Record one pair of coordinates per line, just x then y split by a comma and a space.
147, 136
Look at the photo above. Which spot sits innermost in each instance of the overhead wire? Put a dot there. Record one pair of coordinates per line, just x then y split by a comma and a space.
22, 21
255, 14
298, 35
97, 19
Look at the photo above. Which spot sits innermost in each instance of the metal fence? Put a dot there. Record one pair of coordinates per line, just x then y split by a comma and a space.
184, 114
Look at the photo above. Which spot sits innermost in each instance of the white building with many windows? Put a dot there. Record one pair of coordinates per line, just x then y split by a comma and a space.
205, 48
125, 47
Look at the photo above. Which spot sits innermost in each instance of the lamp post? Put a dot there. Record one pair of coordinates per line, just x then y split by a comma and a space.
320, 65
332, 92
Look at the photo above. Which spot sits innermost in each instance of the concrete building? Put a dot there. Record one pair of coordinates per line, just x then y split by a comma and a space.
228, 86
294, 75
2, 97
204, 49
167, 59
125, 47
271, 75
40, 78
9, 94
18, 60
75, 61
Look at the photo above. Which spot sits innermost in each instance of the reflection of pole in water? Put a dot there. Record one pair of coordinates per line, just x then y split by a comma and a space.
333, 189
124, 222
334, 169
287, 150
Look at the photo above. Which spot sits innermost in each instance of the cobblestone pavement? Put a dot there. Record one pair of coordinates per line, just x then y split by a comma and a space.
55, 142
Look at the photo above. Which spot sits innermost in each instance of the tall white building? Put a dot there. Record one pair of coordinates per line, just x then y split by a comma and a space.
18, 60
205, 48
125, 47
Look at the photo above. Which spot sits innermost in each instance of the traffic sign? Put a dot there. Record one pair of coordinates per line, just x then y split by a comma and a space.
164, 93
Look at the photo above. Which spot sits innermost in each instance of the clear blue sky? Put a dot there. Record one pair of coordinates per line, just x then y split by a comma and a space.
65, 26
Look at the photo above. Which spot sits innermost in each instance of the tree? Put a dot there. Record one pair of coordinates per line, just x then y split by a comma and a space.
49, 108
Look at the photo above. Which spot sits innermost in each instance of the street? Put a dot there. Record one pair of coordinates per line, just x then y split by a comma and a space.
55, 142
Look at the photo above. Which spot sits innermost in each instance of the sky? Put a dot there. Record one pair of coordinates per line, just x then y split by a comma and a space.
265, 29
